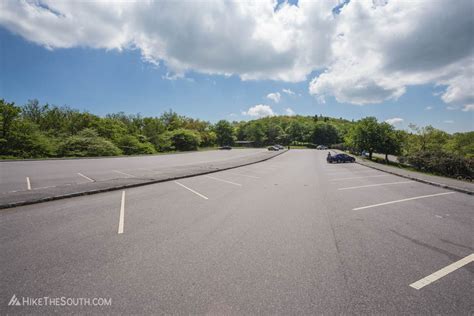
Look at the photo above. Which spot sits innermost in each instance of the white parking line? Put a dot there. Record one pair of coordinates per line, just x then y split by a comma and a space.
122, 214
404, 200
124, 173
197, 193
374, 185
243, 175
383, 175
443, 272
28, 183
85, 177
222, 180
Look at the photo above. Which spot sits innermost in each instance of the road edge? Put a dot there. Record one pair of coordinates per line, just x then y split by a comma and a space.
128, 186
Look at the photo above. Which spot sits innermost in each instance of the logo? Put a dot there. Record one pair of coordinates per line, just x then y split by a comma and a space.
59, 301
14, 301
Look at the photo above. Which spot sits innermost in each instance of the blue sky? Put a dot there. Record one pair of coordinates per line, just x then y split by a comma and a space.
103, 80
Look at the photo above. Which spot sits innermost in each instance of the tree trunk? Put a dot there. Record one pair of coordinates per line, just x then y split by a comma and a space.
370, 155
386, 159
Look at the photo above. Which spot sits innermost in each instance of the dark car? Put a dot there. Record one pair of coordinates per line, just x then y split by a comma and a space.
273, 148
225, 148
340, 158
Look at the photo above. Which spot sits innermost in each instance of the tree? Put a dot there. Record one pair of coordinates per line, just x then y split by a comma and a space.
8, 113
365, 135
461, 144
324, 134
224, 133
184, 139
274, 133
390, 141
87, 143
131, 145
299, 131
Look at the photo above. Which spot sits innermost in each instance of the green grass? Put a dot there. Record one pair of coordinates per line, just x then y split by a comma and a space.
298, 147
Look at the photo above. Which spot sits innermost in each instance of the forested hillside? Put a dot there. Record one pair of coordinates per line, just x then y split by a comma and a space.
36, 131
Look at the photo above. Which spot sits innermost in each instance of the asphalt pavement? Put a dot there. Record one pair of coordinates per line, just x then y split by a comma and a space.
23, 175
291, 235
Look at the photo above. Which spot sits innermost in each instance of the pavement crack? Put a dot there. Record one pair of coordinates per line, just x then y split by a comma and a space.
450, 255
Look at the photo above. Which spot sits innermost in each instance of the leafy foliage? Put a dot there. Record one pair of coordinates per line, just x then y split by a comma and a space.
36, 130
87, 143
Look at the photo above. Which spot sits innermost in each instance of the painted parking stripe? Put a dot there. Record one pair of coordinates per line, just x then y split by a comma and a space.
122, 214
443, 272
28, 183
197, 193
363, 177
374, 185
225, 181
85, 177
124, 173
404, 200
243, 175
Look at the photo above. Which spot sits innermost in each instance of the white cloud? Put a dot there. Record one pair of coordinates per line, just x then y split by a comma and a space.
468, 107
429, 108
274, 96
289, 111
365, 54
449, 121
249, 39
259, 110
380, 50
288, 91
394, 121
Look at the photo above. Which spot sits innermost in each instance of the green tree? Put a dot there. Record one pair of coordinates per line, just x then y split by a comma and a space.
299, 131
324, 134
87, 143
8, 113
461, 144
390, 140
131, 145
184, 139
224, 133
365, 135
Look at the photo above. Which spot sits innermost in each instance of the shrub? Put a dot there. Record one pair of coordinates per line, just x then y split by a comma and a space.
25, 140
130, 145
442, 163
87, 143
184, 139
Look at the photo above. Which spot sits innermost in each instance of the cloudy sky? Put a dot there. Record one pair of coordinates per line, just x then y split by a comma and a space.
401, 61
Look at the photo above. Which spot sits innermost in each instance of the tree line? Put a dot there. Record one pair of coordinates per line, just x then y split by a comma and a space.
35, 131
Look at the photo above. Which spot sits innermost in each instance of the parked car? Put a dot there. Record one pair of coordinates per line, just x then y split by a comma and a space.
340, 158
273, 148
225, 148
321, 147
279, 146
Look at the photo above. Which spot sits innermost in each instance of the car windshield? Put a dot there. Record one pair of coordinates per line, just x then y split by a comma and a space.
236, 157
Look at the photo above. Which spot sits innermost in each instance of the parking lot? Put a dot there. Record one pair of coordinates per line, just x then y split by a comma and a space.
35, 175
289, 235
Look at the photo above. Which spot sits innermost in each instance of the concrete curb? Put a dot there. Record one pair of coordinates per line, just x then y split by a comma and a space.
440, 185
437, 184
128, 186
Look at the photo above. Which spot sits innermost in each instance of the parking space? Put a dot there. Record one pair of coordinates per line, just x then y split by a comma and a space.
293, 224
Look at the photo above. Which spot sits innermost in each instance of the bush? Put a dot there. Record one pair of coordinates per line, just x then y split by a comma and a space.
87, 143
26, 141
184, 139
442, 163
130, 145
